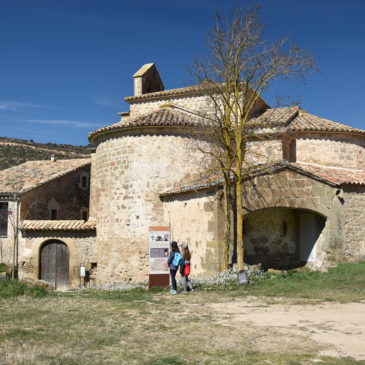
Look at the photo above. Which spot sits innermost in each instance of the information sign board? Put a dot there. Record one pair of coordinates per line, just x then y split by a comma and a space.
159, 245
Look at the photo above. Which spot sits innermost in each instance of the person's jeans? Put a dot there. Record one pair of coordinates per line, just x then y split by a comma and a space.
187, 283
173, 279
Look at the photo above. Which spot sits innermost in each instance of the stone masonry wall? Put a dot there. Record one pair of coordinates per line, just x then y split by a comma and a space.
290, 189
264, 238
200, 103
7, 243
265, 151
82, 250
194, 219
354, 240
65, 190
331, 150
128, 173
197, 102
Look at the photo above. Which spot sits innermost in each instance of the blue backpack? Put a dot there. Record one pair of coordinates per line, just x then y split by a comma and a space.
178, 260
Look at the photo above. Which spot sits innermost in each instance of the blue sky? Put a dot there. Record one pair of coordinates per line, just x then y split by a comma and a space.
66, 65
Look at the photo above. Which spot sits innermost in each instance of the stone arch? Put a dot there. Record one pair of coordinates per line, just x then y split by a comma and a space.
54, 261
37, 245
282, 237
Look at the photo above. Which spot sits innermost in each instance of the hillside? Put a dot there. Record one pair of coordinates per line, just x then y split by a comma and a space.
16, 151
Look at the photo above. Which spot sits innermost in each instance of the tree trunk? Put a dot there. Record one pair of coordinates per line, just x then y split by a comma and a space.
227, 223
240, 242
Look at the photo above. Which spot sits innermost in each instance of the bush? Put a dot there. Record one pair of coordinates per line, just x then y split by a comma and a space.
13, 288
3, 267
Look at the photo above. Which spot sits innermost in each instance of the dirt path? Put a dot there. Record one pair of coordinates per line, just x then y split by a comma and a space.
338, 329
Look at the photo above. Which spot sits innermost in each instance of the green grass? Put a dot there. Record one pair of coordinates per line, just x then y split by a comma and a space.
13, 288
3, 267
145, 327
344, 283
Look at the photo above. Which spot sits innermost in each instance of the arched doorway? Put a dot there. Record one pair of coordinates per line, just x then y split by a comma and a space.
54, 262
281, 237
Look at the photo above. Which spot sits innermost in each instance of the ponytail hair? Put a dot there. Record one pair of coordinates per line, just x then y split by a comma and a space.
186, 254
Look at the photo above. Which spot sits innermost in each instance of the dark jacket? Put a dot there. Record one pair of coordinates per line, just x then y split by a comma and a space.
170, 259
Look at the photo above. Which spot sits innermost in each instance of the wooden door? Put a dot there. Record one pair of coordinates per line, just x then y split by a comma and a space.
55, 264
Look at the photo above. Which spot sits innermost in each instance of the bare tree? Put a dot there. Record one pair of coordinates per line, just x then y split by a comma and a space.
241, 65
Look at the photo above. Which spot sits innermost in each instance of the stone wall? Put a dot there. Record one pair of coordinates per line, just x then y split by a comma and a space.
265, 151
342, 150
282, 238
128, 173
82, 250
290, 189
7, 242
270, 236
199, 103
354, 238
65, 191
194, 218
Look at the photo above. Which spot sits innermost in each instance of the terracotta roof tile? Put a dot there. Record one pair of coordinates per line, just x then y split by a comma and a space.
29, 175
310, 122
276, 117
334, 174
331, 175
160, 117
64, 225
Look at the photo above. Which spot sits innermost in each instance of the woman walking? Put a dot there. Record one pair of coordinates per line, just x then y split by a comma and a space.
171, 261
185, 268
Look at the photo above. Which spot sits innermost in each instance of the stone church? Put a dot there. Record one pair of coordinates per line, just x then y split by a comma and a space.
304, 208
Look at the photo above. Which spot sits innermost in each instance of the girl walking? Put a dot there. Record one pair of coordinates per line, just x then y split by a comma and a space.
185, 268
172, 266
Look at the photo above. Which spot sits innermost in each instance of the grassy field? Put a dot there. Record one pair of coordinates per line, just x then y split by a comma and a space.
155, 328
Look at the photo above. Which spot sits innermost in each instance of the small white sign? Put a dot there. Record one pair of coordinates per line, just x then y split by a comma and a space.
82, 271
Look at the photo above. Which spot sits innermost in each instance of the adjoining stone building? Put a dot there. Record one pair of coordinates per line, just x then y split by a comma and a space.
304, 206
44, 211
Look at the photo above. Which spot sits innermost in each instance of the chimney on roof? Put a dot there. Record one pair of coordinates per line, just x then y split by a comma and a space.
147, 80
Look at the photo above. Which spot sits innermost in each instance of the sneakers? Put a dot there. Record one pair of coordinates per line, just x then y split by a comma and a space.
173, 291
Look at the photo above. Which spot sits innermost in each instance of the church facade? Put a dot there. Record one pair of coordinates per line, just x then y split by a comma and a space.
304, 207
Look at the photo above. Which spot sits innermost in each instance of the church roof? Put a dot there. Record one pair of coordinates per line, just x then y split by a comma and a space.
58, 225
157, 118
31, 174
330, 175
189, 90
336, 175
293, 119
309, 122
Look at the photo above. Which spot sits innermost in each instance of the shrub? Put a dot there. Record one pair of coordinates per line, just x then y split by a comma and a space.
13, 288
3, 267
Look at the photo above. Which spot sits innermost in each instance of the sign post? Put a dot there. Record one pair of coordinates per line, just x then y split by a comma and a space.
159, 246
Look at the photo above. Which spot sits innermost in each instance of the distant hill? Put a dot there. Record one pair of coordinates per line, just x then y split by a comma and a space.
16, 151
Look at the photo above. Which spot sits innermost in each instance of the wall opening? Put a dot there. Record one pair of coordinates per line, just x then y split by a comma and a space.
282, 238
4, 212
54, 264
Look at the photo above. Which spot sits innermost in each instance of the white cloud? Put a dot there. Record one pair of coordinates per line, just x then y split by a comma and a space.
105, 102
71, 123
14, 105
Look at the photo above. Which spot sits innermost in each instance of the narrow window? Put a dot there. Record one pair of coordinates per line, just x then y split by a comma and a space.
84, 180
4, 219
53, 209
84, 212
284, 228
54, 214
